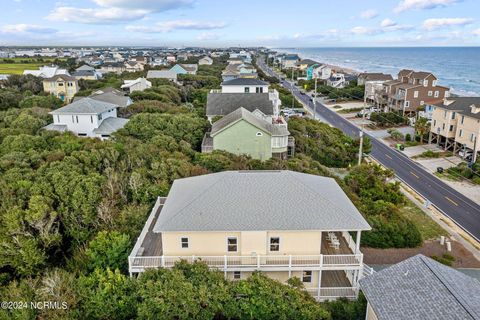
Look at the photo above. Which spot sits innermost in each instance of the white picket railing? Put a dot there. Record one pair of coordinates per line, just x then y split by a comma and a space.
137, 263
327, 293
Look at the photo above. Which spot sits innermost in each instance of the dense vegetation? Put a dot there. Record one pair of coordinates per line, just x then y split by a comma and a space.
351, 92
72, 208
387, 119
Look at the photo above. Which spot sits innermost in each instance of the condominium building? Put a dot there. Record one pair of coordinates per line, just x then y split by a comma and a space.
455, 125
411, 91
283, 223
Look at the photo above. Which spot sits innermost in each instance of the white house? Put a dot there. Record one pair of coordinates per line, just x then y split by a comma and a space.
322, 72
205, 61
244, 85
87, 118
46, 72
139, 84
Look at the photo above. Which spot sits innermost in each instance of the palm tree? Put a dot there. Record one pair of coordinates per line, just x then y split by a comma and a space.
421, 127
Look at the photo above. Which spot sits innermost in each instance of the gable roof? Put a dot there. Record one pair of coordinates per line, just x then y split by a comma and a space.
308, 62
220, 104
110, 125
421, 288
161, 74
118, 99
85, 67
244, 82
85, 106
190, 67
64, 77
375, 76
244, 114
462, 105
258, 201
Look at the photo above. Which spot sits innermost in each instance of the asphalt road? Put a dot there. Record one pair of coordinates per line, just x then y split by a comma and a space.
462, 210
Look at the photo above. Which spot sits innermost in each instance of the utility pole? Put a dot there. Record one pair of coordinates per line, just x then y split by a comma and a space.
293, 97
360, 148
315, 101
474, 155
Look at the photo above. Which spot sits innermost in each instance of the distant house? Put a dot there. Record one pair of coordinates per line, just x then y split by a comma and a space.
110, 95
138, 84
205, 61
373, 77
61, 86
171, 59
239, 70
373, 83
114, 67
46, 72
339, 80
289, 61
185, 68
87, 118
182, 56
162, 74
87, 73
250, 133
305, 63
244, 85
421, 288
134, 66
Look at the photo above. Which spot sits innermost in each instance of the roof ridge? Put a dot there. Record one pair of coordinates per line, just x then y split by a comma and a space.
447, 285
321, 195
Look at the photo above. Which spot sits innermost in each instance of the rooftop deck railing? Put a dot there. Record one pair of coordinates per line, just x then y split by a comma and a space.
258, 262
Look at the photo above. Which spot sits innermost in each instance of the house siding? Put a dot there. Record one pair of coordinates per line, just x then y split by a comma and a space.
241, 138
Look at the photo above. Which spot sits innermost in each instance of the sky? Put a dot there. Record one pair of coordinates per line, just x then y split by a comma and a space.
222, 23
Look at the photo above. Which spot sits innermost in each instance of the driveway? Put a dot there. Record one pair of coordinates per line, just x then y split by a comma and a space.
417, 150
380, 134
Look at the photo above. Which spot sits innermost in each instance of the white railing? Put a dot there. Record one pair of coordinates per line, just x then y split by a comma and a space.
258, 262
351, 243
327, 293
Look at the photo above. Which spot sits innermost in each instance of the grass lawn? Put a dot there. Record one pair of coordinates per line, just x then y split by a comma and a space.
17, 68
428, 228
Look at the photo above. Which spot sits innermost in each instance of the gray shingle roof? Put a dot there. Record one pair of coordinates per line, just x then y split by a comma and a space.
111, 97
463, 105
110, 125
258, 200
85, 106
421, 288
162, 74
242, 113
221, 104
245, 82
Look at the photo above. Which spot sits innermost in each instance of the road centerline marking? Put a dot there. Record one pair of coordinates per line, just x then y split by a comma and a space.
413, 174
451, 201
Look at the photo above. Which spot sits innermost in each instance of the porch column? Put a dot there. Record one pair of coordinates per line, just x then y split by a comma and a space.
357, 243
430, 137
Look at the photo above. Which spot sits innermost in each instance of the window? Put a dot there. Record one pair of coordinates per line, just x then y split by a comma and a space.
99, 117
437, 94
425, 83
232, 244
258, 89
307, 276
58, 118
443, 126
460, 133
422, 103
434, 123
451, 128
247, 89
259, 134
76, 118
60, 84
73, 119
447, 94
91, 119
445, 114
463, 118
434, 83
472, 137
415, 94
453, 115
184, 242
407, 104
237, 275
430, 93
82, 134
275, 244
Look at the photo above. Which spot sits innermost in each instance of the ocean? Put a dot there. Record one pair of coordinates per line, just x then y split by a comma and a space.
455, 67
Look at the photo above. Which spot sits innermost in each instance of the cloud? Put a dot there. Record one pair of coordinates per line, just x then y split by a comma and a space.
387, 23
433, 24
208, 36
368, 14
95, 16
168, 26
476, 32
26, 28
405, 5
150, 5
362, 30
115, 11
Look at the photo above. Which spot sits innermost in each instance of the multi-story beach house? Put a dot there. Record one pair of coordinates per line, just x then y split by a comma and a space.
455, 125
250, 133
421, 288
283, 223
411, 91
87, 117
373, 83
62, 86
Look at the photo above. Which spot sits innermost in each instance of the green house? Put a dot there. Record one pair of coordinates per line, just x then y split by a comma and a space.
245, 132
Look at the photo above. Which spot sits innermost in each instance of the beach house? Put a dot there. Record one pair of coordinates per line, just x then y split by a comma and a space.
86, 72
185, 68
283, 223
46, 72
87, 117
62, 86
138, 84
205, 61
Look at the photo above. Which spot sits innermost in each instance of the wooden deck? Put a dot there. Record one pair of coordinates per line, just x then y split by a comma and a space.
343, 249
152, 244
335, 278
